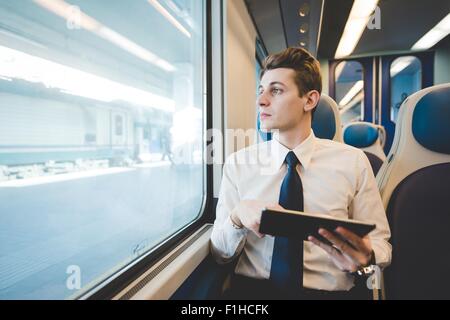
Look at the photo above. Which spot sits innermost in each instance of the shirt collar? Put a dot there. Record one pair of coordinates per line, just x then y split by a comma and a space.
303, 152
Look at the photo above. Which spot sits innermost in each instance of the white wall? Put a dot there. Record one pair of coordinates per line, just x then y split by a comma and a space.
325, 76
239, 69
442, 63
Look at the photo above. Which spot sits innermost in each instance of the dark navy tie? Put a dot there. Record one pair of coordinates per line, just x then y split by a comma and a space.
286, 271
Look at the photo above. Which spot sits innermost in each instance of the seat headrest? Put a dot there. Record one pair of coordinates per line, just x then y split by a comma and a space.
360, 135
422, 137
326, 122
431, 121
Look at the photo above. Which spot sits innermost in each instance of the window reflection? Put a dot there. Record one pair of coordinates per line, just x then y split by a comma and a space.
101, 126
350, 91
406, 78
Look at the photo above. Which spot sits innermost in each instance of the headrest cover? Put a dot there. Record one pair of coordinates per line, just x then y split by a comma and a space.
360, 135
431, 121
324, 122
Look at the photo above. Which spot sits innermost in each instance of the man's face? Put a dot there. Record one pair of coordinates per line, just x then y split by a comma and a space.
279, 103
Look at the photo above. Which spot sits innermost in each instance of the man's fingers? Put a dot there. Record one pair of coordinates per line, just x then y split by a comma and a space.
274, 206
340, 244
345, 263
355, 240
256, 231
259, 235
327, 248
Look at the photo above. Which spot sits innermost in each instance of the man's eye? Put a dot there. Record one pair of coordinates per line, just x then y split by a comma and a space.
276, 91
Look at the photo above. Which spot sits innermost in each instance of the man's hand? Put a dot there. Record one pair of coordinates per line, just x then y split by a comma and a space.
248, 214
346, 257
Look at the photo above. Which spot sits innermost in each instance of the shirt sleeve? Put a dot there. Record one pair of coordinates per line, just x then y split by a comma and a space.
227, 241
368, 206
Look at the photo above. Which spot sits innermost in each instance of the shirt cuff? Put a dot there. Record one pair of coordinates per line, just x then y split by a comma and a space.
232, 230
381, 256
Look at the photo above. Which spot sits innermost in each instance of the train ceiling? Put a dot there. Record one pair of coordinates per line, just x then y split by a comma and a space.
403, 22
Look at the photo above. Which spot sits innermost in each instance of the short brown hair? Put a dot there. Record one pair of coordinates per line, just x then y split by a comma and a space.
306, 67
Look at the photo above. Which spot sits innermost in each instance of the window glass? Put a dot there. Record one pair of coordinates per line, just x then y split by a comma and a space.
350, 91
101, 126
406, 78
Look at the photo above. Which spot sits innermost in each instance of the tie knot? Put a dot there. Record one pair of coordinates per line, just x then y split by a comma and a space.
291, 159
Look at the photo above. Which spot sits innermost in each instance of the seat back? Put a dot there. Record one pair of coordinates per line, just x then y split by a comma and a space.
366, 136
326, 122
414, 184
375, 162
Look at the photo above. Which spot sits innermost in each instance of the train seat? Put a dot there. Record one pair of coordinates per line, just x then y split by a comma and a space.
327, 121
368, 137
414, 184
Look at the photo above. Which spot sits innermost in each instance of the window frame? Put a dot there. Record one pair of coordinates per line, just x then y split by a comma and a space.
391, 82
112, 285
363, 78
426, 59
369, 83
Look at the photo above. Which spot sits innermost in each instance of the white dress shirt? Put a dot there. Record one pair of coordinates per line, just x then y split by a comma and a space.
337, 180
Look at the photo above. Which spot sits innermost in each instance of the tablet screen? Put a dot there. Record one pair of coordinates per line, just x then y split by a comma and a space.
298, 224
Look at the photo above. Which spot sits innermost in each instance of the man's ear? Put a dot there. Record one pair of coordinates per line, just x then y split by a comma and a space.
312, 99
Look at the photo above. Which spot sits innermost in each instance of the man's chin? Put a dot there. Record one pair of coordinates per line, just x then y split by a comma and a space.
266, 126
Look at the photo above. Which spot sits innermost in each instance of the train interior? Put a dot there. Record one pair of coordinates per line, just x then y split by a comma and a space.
115, 119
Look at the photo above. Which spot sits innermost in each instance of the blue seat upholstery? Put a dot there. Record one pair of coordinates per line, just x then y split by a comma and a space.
368, 137
419, 217
360, 135
414, 184
375, 162
363, 135
433, 108
327, 122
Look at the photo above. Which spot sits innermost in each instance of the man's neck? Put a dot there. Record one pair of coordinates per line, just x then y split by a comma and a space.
292, 138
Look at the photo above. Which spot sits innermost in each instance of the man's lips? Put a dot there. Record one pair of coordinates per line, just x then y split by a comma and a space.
264, 115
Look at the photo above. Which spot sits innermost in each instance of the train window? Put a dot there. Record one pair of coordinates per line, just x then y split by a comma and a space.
350, 91
101, 125
406, 78
119, 125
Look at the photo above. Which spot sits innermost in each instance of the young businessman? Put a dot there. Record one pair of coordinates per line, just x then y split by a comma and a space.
297, 171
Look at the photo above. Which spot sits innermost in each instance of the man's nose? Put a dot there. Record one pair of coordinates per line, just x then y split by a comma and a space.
262, 100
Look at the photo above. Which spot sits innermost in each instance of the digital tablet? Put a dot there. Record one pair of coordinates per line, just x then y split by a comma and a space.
297, 224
